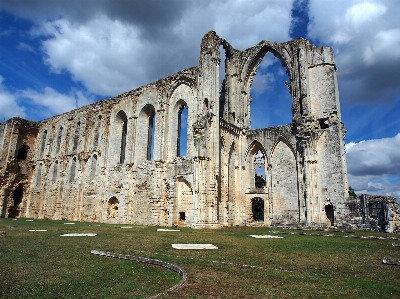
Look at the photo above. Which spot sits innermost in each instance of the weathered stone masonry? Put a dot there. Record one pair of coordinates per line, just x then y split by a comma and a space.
118, 160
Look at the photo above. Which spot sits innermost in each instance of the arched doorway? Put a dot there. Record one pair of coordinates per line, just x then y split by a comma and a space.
112, 210
329, 215
257, 208
14, 210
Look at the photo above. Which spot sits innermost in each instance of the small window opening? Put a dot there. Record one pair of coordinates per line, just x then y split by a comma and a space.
150, 138
73, 170
76, 137
43, 145
123, 140
23, 152
259, 170
96, 134
182, 216
93, 167
182, 131
39, 175
58, 141
55, 172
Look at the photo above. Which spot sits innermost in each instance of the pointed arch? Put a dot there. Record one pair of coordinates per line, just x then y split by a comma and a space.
93, 167
182, 80
73, 168
118, 138
184, 201
285, 141
96, 132
38, 177
182, 102
43, 144
253, 57
255, 146
256, 170
59, 139
145, 134
76, 136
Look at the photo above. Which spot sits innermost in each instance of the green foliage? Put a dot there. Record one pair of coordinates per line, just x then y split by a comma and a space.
259, 181
352, 193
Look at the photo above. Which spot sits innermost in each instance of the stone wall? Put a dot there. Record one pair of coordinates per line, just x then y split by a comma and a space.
374, 212
118, 160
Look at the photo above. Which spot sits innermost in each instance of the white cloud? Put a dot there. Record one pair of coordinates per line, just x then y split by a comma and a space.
9, 104
109, 56
364, 12
374, 157
365, 36
50, 102
45, 103
384, 46
374, 166
103, 53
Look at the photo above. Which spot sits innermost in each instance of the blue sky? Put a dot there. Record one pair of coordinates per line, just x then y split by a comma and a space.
59, 55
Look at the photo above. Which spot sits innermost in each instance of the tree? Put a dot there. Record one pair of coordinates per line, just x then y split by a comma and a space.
352, 193
259, 181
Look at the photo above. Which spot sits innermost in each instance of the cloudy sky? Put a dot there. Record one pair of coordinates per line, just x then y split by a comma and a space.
59, 55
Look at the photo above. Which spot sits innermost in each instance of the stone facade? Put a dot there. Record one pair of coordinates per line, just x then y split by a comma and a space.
118, 160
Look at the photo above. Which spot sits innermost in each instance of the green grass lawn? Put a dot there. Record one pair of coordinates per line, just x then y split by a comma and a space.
45, 265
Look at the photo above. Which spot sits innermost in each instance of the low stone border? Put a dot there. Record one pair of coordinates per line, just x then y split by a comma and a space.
167, 265
395, 245
333, 235
79, 235
388, 261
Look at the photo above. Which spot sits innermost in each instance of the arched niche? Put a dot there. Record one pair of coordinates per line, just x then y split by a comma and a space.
118, 136
112, 208
96, 132
184, 201
284, 183
43, 141
73, 170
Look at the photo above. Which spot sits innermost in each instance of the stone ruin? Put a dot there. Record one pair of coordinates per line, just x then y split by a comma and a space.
380, 213
119, 161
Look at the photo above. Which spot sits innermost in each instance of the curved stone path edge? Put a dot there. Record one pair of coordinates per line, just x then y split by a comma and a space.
167, 265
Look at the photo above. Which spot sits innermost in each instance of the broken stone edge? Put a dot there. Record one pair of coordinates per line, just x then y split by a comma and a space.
160, 263
388, 261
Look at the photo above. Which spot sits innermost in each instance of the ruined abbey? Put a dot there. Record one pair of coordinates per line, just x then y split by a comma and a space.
119, 160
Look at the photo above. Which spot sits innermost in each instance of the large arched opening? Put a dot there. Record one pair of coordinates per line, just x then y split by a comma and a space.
271, 101
145, 134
